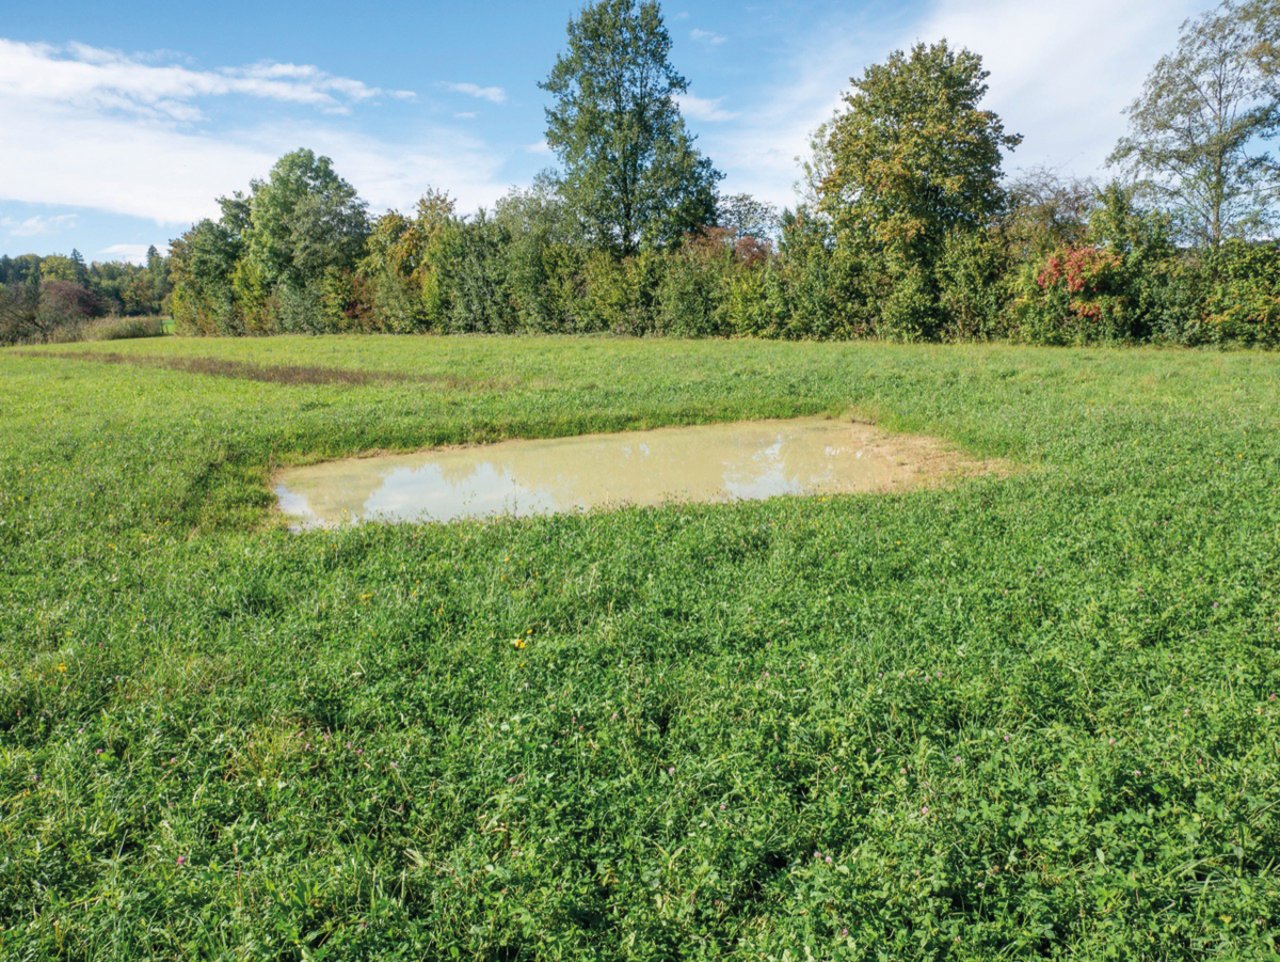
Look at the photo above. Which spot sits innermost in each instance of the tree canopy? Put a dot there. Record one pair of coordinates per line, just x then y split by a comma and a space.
905, 227
912, 158
304, 219
1197, 133
631, 173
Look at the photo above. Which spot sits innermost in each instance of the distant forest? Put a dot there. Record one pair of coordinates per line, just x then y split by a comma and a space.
55, 297
907, 227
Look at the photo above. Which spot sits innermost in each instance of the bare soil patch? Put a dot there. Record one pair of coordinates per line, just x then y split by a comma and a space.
288, 374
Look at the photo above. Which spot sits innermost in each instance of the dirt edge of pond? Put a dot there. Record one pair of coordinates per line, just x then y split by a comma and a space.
902, 462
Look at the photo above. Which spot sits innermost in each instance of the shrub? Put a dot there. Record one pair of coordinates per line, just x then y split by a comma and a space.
818, 290
909, 309
472, 278
344, 302
1075, 296
749, 298
972, 286
691, 286
1242, 303
620, 295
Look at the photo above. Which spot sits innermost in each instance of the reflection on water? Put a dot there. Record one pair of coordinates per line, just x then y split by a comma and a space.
721, 462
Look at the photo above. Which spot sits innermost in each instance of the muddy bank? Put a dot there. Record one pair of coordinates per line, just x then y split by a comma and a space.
709, 463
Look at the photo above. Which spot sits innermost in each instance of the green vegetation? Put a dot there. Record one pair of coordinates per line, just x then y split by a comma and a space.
122, 328
58, 298
908, 229
1197, 130
914, 175
632, 176
1032, 716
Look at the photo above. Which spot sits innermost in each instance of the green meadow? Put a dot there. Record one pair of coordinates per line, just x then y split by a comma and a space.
1022, 716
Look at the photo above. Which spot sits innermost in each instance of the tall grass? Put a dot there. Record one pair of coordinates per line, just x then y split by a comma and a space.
123, 328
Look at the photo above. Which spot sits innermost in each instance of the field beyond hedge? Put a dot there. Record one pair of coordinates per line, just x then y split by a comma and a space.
1023, 717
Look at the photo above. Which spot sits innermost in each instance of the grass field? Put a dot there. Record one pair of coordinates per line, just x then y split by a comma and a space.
1025, 716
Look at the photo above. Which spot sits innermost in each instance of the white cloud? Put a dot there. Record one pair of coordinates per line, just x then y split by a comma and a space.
396, 174
704, 109
85, 127
760, 151
136, 134
134, 253
1062, 81
542, 148
149, 170
709, 37
38, 225
495, 95
77, 74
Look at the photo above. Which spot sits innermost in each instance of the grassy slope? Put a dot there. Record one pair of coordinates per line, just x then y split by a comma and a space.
1029, 715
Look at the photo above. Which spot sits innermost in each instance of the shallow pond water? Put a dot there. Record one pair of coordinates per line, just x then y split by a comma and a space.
716, 462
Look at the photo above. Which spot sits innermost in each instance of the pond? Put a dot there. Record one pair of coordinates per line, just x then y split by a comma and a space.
742, 461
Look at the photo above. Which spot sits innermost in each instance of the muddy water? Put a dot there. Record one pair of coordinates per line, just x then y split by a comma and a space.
719, 462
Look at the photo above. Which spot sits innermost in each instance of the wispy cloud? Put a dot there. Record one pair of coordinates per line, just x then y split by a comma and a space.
134, 253
156, 155
39, 225
704, 109
1062, 82
709, 37
157, 136
81, 75
760, 151
495, 95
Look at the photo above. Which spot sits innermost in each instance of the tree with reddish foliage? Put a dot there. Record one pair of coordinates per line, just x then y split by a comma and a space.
49, 310
65, 305
1080, 269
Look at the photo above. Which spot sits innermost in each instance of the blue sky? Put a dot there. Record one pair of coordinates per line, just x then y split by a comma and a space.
120, 124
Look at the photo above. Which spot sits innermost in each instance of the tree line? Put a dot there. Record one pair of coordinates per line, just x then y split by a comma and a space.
55, 296
907, 227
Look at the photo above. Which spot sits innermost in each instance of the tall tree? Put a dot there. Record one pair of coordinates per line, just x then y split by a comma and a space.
401, 266
631, 173
81, 269
201, 264
157, 279
303, 220
745, 216
1197, 133
910, 161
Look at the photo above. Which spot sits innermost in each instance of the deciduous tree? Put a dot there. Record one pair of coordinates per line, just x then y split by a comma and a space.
303, 220
631, 173
913, 158
744, 216
1197, 134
